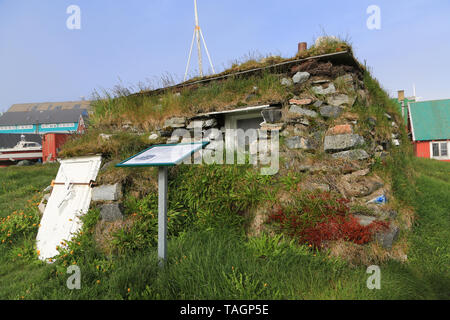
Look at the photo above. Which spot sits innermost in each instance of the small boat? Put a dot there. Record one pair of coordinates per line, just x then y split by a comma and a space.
24, 150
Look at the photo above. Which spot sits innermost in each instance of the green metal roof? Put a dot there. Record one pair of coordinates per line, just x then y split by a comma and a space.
399, 108
430, 120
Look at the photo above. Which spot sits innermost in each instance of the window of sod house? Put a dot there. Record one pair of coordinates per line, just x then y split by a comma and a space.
245, 122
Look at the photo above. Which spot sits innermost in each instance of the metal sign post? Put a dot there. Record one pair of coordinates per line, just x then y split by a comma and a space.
162, 214
163, 156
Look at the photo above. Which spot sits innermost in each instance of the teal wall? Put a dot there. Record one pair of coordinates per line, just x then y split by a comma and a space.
42, 130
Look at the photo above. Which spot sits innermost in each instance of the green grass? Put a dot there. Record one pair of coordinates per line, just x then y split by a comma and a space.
18, 185
222, 263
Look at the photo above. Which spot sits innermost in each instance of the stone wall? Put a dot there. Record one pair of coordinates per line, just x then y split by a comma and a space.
320, 135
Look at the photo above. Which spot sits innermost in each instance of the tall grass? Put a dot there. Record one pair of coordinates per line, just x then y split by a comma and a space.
147, 112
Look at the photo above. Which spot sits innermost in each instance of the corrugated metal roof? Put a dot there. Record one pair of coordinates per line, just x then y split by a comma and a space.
430, 120
10, 140
40, 117
48, 106
399, 108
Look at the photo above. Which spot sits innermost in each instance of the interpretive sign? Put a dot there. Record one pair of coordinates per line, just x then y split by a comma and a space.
163, 156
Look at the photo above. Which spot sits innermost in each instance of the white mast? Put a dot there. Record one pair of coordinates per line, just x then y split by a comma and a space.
197, 34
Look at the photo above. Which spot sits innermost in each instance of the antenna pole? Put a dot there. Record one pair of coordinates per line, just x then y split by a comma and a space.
198, 34
190, 54
197, 31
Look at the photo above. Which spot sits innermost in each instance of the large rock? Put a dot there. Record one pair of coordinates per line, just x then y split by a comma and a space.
387, 238
298, 143
301, 77
272, 115
111, 212
342, 142
273, 126
365, 220
321, 91
358, 186
286, 82
302, 102
340, 100
202, 124
347, 79
24, 163
302, 112
107, 192
153, 137
327, 111
340, 129
357, 154
176, 122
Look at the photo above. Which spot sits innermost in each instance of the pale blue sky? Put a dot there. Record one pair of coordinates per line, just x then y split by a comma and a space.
135, 40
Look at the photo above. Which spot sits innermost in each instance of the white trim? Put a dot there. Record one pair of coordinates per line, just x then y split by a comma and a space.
247, 109
411, 121
447, 157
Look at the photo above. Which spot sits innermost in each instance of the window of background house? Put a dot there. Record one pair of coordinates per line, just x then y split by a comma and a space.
444, 150
435, 149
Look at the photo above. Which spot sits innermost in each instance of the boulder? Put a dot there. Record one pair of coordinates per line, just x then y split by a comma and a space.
318, 104
107, 192
327, 111
286, 82
153, 137
365, 220
24, 163
314, 186
342, 142
298, 143
340, 129
301, 102
347, 79
174, 139
272, 115
358, 154
302, 112
273, 126
353, 185
176, 122
300, 77
340, 100
321, 91
387, 238
111, 212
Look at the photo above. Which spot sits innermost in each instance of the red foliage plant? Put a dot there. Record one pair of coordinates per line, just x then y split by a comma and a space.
322, 217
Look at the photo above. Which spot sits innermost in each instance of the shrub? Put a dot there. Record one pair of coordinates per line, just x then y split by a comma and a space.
319, 217
19, 225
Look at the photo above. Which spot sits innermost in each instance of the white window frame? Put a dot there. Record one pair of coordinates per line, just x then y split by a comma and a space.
447, 157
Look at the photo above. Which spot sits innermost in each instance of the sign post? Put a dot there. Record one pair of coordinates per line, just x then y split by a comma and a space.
162, 214
163, 156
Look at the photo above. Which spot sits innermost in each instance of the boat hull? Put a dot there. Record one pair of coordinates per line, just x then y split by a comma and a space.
20, 155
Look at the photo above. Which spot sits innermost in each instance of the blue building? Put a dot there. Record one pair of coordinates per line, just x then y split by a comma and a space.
42, 122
